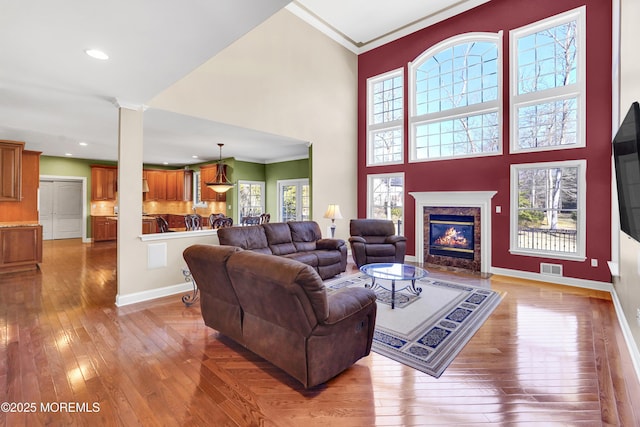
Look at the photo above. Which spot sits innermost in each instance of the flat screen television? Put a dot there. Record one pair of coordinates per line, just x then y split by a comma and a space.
626, 155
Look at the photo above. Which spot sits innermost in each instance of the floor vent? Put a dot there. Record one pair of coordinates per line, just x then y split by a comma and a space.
551, 269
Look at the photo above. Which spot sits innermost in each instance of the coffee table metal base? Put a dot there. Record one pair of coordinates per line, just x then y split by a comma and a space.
393, 272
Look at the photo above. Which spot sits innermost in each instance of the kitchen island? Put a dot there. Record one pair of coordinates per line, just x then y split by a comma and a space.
20, 246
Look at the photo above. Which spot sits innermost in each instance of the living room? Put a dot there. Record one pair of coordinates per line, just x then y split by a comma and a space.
231, 88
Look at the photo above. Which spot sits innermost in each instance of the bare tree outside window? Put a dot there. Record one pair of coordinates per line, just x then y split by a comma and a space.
456, 100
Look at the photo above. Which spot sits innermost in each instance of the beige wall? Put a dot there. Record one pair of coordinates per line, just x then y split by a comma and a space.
284, 78
627, 285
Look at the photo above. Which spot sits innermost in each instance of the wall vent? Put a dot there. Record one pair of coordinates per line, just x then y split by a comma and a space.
551, 269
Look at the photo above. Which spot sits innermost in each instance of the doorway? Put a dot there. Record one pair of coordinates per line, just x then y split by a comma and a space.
62, 208
293, 200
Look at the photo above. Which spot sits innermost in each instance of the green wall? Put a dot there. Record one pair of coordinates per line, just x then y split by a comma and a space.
237, 170
294, 169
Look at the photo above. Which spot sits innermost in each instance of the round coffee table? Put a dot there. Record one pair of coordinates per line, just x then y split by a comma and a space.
393, 272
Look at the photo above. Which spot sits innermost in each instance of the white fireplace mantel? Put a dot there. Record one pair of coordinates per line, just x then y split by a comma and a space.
471, 199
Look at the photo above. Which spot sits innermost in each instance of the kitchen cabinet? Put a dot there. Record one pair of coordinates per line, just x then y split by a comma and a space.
148, 225
104, 183
157, 180
104, 228
208, 174
179, 185
11, 170
169, 185
20, 247
176, 221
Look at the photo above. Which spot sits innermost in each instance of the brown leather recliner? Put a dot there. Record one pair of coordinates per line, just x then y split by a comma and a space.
280, 309
374, 240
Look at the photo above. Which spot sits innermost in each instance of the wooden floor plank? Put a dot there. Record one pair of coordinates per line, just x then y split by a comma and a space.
548, 355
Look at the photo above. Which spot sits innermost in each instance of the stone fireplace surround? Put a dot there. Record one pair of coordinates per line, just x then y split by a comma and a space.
435, 200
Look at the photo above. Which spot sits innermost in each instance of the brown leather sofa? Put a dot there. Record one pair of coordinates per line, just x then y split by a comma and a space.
375, 240
280, 310
298, 240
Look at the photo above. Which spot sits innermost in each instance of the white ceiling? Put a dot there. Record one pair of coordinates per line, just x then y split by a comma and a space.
53, 96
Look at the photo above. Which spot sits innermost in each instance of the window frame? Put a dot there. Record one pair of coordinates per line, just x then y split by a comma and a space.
300, 183
580, 254
391, 125
262, 185
548, 95
455, 113
370, 178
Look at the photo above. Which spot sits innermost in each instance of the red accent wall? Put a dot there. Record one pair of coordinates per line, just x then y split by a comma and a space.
492, 173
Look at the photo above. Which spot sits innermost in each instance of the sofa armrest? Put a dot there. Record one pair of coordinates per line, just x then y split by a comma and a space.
357, 239
395, 239
330, 244
346, 302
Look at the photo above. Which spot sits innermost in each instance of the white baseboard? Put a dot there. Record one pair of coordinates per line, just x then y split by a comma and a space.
122, 300
633, 346
560, 280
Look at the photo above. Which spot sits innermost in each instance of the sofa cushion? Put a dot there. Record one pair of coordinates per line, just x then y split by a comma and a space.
279, 238
305, 234
309, 258
328, 257
377, 250
251, 238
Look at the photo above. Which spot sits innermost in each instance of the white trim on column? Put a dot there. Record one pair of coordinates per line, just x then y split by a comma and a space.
472, 199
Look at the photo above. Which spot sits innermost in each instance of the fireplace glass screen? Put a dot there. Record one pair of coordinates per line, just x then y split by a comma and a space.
451, 235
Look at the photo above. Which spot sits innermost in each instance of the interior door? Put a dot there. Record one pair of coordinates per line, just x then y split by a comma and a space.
61, 209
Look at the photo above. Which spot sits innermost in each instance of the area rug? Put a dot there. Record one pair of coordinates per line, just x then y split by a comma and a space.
427, 331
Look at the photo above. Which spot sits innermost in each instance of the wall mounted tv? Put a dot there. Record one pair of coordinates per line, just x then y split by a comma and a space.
626, 155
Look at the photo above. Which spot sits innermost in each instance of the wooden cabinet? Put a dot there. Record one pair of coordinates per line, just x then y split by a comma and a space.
169, 185
208, 174
104, 182
20, 248
176, 221
10, 170
148, 226
104, 228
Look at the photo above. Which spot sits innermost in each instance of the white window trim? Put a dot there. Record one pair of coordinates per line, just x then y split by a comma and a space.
580, 254
372, 128
300, 182
245, 182
493, 106
197, 203
370, 179
578, 90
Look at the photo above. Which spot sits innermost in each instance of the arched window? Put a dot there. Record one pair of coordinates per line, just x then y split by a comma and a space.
455, 99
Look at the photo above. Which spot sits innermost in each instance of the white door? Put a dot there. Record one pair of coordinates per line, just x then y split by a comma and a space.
61, 209
293, 200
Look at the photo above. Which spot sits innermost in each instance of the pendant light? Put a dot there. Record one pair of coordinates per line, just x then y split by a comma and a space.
221, 184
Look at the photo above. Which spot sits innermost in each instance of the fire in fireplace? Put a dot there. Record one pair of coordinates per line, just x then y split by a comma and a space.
451, 235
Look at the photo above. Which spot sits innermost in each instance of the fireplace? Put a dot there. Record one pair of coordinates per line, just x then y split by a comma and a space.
451, 235
463, 205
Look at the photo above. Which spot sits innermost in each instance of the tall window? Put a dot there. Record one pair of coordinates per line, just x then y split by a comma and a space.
250, 198
548, 84
548, 209
385, 193
385, 101
293, 200
455, 99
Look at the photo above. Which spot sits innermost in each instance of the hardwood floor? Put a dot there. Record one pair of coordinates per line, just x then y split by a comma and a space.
548, 355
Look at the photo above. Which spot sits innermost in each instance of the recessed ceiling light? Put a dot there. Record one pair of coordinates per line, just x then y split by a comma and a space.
97, 54
194, 157
165, 163
68, 154
84, 144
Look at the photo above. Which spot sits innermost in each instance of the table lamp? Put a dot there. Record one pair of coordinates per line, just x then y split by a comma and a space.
333, 213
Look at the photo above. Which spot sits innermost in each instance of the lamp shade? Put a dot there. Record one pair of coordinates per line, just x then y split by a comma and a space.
221, 184
145, 185
333, 212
